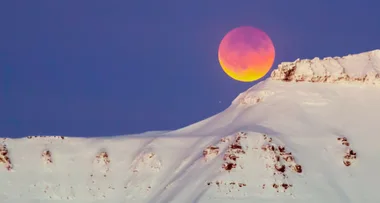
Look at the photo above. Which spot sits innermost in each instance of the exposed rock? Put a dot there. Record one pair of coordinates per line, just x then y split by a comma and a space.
350, 155
46, 156
331, 70
4, 158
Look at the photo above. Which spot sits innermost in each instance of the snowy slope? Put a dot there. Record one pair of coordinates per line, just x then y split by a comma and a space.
300, 136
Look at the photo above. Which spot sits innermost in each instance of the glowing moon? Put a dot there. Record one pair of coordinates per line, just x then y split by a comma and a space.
246, 54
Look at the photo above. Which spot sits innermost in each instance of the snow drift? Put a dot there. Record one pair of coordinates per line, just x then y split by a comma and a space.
309, 133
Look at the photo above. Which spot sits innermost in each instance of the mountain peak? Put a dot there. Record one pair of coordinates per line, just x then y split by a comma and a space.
354, 68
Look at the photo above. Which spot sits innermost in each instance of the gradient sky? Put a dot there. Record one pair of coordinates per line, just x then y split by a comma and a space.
98, 68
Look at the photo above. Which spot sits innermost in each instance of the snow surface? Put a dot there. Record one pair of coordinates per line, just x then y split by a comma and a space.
277, 142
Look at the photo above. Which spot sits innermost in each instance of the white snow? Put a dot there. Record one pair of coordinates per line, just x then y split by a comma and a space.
277, 142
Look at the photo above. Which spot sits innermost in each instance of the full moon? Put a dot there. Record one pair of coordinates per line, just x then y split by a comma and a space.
246, 54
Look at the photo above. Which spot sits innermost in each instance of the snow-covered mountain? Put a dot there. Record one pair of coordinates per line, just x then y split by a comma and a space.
309, 133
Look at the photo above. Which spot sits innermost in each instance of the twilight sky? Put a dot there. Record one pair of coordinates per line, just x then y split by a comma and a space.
99, 68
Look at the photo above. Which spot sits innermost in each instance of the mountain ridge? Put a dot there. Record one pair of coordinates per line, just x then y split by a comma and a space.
363, 67
279, 141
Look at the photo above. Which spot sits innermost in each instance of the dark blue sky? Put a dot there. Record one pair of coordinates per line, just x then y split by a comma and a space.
98, 68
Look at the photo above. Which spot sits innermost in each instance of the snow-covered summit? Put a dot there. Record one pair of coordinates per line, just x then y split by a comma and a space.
362, 67
279, 141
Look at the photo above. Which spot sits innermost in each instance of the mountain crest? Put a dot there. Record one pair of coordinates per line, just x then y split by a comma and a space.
356, 68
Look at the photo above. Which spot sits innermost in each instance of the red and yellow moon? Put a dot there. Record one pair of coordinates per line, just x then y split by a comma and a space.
246, 54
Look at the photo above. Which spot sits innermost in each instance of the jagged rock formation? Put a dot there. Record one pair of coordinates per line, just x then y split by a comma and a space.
363, 67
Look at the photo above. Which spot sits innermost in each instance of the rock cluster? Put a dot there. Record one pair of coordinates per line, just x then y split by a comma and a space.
350, 155
4, 158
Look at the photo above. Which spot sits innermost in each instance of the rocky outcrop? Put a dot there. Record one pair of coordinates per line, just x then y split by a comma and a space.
210, 152
357, 68
47, 137
350, 155
4, 158
234, 151
102, 162
46, 157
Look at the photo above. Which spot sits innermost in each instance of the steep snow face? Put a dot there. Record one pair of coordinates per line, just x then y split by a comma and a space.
277, 142
363, 67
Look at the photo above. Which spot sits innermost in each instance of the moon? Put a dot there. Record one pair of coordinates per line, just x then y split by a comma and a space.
246, 54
